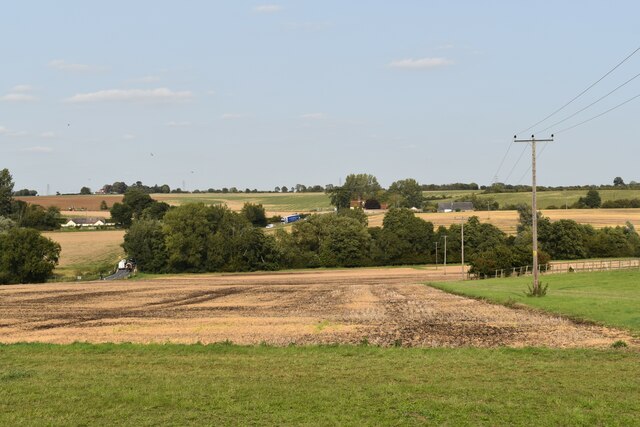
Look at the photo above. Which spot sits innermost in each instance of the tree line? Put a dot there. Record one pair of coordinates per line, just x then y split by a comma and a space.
201, 238
25, 255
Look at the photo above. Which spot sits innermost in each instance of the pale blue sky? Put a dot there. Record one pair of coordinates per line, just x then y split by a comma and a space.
259, 94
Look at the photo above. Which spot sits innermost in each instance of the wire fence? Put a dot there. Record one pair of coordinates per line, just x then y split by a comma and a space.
564, 267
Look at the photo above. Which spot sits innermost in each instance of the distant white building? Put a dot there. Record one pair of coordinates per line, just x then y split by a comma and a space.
455, 206
86, 222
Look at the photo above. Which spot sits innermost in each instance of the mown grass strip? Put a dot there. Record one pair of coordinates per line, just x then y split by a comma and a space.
609, 298
84, 384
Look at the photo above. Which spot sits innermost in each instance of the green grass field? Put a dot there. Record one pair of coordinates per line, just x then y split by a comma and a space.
545, 198
610, 298
137, 385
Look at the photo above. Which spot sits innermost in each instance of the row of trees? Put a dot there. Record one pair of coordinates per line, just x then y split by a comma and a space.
500, 187
365, 189
199, 238
120, 187
25, 255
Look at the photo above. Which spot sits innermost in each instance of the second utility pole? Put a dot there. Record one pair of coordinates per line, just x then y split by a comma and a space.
534, 208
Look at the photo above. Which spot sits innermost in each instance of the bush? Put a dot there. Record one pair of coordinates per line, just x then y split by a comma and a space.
26, 256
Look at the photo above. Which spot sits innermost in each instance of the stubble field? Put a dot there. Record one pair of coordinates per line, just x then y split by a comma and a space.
386, 307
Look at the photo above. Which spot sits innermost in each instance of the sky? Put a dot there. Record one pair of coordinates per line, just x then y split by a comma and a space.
212, 94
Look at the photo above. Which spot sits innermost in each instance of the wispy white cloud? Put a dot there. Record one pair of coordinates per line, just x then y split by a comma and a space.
182, 124
22, 88
132, 95
231, 116
62, 65
446, 46
128, 137
421, 63
38, 149
12, 133
18, 97
48, 134
267, 8
313, 116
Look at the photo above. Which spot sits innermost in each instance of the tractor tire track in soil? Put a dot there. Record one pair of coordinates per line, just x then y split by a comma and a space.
384, 307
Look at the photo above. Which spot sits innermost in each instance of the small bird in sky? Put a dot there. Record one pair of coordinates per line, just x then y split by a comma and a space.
151, 154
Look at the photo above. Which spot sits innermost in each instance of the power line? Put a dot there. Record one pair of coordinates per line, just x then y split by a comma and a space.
599, 115
516, 164
529, 168
590, 105
581, 93
503, 159
576, 125
573, 115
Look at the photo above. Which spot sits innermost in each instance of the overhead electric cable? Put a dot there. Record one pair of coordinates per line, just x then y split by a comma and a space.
581, 93
515, 164
599, 115
590, 105
503, 159
529, 168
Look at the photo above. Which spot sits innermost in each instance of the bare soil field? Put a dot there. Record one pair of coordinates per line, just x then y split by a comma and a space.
89, 202
380, 306
81, 247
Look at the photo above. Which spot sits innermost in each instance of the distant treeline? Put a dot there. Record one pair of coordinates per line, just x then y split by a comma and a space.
454, 186
199, 238
120, 187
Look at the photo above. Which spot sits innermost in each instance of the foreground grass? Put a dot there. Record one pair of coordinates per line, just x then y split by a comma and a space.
84, 384
610, 298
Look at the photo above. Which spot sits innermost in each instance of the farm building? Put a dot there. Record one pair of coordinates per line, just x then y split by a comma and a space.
368, 204
85, 222
455, 207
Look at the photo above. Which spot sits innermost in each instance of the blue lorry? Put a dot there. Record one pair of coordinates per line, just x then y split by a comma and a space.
290, 218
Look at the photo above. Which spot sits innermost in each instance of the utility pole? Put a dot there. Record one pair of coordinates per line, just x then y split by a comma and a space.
462, 219
445, 254
534, 207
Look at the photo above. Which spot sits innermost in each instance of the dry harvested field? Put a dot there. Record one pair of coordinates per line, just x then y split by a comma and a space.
507, 221
381, 306
82, 247
89, 202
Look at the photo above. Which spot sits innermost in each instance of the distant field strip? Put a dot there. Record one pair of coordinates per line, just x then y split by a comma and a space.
507, 221
86, 247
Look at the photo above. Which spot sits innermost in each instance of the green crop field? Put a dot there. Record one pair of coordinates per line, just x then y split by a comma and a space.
545, 198
610, 298
135, 385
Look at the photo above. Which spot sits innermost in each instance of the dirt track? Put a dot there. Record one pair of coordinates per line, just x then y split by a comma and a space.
381, 306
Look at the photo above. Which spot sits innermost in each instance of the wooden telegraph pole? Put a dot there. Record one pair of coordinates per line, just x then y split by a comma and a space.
534, 207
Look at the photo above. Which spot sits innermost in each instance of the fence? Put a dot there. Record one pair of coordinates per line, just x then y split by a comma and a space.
566, 267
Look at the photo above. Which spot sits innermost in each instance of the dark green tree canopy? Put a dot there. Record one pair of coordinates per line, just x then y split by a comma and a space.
361, 186
26, 256
6, 192
409, 192
255, 213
